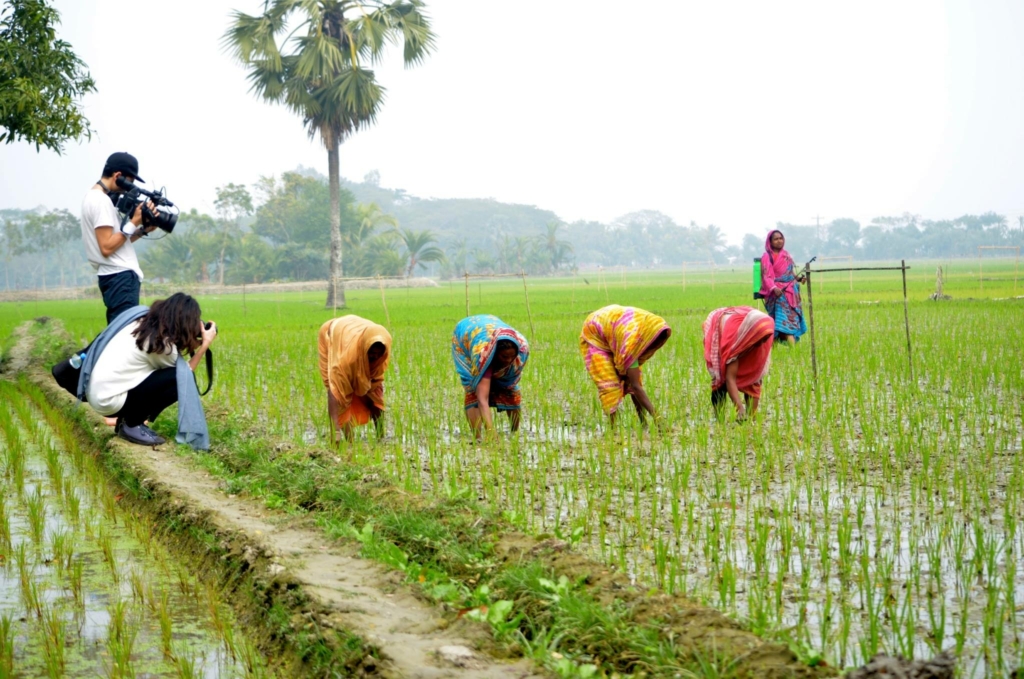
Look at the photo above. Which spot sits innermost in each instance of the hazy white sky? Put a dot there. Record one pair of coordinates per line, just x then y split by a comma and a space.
734, 113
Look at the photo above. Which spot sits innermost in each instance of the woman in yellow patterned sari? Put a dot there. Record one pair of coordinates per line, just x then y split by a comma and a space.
616, 341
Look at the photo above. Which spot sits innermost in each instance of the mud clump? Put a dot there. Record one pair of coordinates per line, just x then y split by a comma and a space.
941, 666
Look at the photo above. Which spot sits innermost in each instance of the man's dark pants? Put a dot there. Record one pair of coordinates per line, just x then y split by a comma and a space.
120, 292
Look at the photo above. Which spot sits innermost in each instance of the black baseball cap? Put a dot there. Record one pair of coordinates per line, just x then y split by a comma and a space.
123, 162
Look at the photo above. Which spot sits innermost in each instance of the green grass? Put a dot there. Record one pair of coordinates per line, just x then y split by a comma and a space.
862, 512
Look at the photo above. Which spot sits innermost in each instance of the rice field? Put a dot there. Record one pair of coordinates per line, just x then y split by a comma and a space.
863, 511
85, 589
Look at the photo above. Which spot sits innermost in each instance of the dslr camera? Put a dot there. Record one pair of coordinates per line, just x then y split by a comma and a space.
164, 217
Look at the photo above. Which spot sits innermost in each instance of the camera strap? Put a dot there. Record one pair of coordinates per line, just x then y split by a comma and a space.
209, 374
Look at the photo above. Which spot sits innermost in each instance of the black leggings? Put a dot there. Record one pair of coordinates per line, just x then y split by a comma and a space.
148, 400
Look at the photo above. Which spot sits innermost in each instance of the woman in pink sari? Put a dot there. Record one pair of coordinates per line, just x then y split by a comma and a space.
781, 289
737, 351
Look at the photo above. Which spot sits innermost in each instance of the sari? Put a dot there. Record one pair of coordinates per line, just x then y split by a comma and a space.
345, 367
738, 333
777, 272
474, 344
612, 340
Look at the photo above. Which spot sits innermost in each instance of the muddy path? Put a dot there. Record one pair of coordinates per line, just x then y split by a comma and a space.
341, 590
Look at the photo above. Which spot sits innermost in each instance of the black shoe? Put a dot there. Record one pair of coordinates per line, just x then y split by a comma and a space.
140, 434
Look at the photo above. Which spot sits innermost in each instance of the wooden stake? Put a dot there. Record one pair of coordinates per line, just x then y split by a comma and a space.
380, 283
334, 297
684, 276
906, 317
810, 315
467, 293
526, 294
574, 290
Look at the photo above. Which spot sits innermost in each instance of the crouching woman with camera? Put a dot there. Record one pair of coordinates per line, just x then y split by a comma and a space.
136, 368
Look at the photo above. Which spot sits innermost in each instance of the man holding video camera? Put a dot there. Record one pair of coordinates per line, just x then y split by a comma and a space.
108, 242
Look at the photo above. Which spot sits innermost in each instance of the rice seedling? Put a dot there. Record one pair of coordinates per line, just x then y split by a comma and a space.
5, 526
75, 584
35, 505
6, 646
122, 631
166, 635
54, 641
186, 664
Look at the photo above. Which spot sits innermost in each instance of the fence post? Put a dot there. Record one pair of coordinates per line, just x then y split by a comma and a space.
526, 293
906, 317
810, 314
467, 293
380, 283
981, 282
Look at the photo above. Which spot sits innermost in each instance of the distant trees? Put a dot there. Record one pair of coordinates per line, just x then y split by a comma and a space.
279, 236
41, 79
233, 204
894, 237
321, 73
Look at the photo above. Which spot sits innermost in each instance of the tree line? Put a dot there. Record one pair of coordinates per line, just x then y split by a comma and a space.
279, 230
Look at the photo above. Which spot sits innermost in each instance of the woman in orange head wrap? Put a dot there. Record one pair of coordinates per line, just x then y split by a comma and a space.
354, 354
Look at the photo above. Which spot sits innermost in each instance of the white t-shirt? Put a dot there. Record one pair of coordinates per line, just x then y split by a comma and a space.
97, 211
123, 366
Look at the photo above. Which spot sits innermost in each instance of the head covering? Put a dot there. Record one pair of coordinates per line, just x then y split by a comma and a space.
122, 162
741, 334
345, 368
613, 338
474, 344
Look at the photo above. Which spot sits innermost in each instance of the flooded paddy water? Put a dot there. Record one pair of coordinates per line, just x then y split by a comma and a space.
85, 588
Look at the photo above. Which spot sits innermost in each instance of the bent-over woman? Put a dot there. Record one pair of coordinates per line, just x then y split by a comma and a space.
737, 351
134, 370
354, 354
489, 356
615, 342
781, 289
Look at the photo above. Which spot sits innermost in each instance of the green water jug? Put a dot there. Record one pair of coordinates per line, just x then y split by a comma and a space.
757, 278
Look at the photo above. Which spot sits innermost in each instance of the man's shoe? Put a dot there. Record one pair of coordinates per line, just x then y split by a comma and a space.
140, 434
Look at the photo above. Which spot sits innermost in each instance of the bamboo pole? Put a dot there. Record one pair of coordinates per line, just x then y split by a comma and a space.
380, 284
467, 293
906, 317
810, 314
526, 294
684, 276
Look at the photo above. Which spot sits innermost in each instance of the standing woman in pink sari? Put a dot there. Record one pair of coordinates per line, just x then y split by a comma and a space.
781, 289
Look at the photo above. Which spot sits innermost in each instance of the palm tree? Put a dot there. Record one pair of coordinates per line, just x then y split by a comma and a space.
557, 249
318, 71
418, 248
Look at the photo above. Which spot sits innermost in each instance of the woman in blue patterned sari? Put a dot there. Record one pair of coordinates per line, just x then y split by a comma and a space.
781, 289
489, 356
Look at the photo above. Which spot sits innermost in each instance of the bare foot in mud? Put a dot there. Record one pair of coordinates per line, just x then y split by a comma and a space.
111, 421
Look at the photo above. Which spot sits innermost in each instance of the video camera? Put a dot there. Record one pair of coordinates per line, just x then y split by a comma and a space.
164, 217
